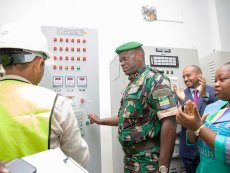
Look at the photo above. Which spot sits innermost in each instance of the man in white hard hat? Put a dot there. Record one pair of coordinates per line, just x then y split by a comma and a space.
32, 118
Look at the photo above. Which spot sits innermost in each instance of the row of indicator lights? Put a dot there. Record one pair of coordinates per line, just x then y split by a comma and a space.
67, 49
66, 67
69, 40
72, 58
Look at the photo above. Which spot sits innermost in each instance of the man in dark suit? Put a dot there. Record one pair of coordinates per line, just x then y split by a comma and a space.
200, 93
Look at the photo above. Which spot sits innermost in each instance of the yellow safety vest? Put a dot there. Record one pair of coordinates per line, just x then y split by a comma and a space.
25, 118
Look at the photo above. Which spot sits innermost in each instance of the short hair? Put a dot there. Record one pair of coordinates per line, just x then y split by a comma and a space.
20, 67
197, 68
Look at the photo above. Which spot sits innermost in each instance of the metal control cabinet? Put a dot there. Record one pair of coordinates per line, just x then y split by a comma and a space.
211, 62
170, 60
74, 75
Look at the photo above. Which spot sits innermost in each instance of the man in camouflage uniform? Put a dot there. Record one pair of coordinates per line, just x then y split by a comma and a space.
146, 118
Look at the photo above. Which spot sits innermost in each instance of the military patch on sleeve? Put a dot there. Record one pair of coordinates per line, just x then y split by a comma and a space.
164, 103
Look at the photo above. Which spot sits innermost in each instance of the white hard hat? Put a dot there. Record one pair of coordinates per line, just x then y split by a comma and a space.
23, 36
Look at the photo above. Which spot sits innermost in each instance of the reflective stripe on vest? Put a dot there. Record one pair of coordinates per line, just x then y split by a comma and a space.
25, 114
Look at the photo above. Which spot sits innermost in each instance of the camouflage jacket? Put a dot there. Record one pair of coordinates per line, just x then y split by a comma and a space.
147, 99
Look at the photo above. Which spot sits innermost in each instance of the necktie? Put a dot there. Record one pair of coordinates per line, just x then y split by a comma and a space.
195, 91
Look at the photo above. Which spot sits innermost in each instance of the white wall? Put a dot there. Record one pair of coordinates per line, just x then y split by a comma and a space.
223, 16
121, 21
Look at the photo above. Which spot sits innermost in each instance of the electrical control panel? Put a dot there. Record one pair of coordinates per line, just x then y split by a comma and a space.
73, 73
211, 62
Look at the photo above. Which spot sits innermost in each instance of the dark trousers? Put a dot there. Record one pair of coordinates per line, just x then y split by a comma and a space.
191, 164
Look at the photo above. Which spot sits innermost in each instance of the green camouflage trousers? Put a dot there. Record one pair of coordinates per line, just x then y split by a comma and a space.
143, 162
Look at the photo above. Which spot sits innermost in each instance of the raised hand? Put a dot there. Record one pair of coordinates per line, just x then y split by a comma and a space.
202, 82
190, 118
180, 94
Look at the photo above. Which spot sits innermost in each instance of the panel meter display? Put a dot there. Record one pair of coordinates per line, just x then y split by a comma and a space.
164, 61
57, 81
82, 81
69, 81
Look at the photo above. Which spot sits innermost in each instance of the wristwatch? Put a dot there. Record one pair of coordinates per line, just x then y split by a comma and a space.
163, 169
197, 132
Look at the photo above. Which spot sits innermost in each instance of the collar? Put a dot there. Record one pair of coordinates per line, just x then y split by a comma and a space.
138, 73
192, 89
14, 77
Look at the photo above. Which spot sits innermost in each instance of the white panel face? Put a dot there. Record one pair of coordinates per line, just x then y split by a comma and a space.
74, 75
115, 70
224, 57
211, 62
171, 61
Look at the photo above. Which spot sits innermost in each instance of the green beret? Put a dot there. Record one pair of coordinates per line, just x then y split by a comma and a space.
127, 46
